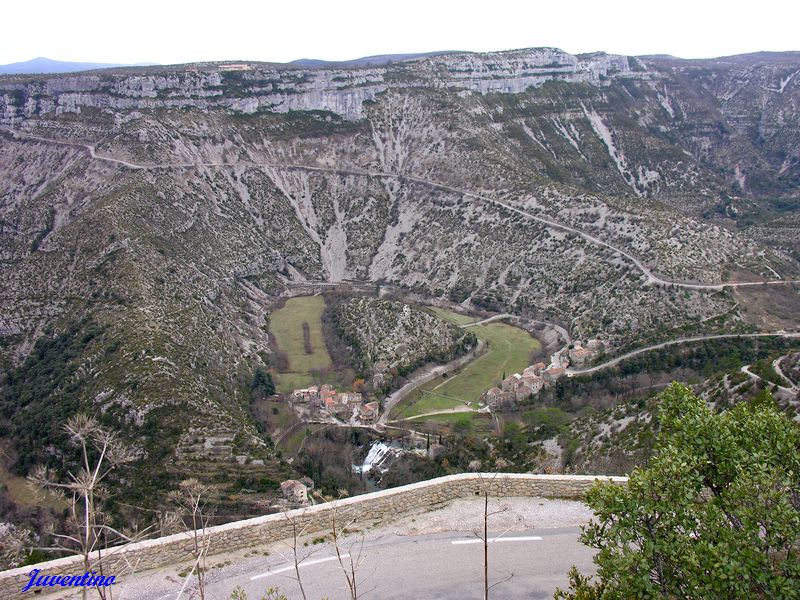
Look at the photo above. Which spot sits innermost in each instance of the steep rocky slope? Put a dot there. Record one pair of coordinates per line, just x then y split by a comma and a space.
392, 338
167, 207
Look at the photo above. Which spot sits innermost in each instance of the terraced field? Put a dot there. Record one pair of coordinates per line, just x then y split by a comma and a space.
287, 327
508, 352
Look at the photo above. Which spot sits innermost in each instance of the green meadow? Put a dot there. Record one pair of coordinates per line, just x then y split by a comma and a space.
508, 351
286, 324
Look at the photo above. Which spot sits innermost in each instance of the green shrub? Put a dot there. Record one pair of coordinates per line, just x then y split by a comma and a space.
715, 515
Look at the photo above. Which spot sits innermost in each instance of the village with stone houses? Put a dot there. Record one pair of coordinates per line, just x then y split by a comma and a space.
521, 386
323, 401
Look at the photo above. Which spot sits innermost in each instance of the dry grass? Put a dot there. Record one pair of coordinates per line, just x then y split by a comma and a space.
770, 307
21, 493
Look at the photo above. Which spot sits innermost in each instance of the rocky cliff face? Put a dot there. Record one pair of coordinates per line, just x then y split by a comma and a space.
261, 87
738, 115
164, 209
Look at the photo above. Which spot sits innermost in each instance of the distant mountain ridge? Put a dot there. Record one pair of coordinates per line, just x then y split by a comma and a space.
42, 65
368, 61
48, 65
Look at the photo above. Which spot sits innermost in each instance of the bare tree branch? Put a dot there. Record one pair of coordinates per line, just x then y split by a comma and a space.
296, 560
350, 562
484, 534
90, 531
192, 496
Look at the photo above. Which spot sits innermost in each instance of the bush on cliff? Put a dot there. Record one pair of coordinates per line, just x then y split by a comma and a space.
716, 514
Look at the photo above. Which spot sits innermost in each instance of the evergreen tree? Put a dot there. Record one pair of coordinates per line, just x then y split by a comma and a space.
262, 382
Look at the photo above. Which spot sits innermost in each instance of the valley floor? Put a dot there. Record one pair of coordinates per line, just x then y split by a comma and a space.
508, 351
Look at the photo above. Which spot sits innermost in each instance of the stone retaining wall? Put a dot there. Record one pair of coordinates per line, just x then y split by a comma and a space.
367, 509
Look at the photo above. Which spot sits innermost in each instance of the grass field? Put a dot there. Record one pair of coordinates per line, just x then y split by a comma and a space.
508, 351
453, 317
286, 324
290, 445
482, 423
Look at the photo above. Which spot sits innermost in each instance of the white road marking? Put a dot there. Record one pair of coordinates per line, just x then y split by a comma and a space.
306, 563
525, 538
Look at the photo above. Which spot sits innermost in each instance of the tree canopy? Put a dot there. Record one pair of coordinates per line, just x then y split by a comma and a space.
716, 514
262, 382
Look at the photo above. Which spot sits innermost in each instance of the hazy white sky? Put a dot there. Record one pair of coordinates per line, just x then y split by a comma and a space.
176, 31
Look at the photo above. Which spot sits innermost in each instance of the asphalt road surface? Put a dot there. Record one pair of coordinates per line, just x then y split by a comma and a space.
523, 564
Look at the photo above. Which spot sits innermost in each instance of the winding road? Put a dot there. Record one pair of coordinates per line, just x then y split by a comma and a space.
614, 361
491, 319
651, 277
398, 395
776, 364
746, 370
446, 411
427, 374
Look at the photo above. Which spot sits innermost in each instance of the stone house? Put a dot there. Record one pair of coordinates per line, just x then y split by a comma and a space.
509, 383
326, 395
537, 368
310, 394
536, 383
342, 404
329, 403
295, 491
531, 372
552, 374
350, 398
334, 407
580, 356
435, 451
506, 400
498, 398
523, 390
368, 412
527, 386
491, 396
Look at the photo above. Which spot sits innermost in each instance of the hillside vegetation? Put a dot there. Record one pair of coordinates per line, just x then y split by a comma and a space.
152, 219
393, 338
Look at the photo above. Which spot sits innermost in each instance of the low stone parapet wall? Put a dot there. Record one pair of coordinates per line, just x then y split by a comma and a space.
368, 509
